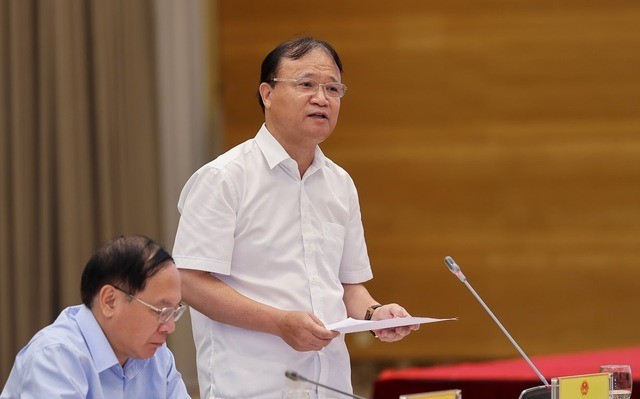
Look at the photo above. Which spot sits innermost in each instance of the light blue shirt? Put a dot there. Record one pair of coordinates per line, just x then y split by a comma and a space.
72, 358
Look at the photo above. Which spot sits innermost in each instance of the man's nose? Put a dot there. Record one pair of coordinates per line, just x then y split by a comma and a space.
320, 95
168, 327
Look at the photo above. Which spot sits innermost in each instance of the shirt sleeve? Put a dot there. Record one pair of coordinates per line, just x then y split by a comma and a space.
205, 236
355, 266
56, 371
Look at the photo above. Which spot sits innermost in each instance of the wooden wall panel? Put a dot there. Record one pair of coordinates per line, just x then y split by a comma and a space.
505, 134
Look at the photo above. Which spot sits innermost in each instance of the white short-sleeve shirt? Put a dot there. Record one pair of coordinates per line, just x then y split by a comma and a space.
282, 240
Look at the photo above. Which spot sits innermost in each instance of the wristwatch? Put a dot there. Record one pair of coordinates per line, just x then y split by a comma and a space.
370, 310
369, 314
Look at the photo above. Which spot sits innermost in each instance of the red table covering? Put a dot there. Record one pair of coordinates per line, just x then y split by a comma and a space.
503, 378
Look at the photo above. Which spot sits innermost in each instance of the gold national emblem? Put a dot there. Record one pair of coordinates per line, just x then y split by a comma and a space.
584, 388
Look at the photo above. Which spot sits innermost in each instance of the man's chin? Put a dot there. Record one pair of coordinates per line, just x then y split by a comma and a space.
321, 133
149, 350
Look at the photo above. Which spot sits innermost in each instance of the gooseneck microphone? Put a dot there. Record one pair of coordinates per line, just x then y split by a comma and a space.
292, 375
455, 269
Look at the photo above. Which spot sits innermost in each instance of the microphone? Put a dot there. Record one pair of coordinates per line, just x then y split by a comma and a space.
529, 393
292, 375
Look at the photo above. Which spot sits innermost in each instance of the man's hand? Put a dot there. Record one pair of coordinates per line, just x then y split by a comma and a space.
304, 331
390, 311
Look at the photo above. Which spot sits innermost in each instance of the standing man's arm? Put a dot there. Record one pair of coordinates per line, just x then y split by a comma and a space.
215, 299
357, 300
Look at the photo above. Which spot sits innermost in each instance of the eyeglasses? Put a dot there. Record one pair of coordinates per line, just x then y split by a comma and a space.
306, 85
164, 314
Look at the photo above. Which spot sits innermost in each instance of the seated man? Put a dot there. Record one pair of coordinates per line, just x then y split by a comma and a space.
113, 346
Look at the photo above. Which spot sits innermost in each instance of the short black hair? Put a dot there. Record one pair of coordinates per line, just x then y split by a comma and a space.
293, 49
126, 261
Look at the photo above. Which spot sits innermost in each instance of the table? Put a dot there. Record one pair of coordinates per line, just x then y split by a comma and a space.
502, 379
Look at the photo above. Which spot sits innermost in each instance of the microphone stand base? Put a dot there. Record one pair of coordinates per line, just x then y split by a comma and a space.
541, 392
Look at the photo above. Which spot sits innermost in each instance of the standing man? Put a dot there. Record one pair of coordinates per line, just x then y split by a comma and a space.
114, 345
270, 244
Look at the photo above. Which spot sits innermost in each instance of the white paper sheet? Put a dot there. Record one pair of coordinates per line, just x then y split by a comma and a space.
352, 325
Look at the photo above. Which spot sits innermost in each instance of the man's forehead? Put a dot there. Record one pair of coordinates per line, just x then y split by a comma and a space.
163, 287
314, 62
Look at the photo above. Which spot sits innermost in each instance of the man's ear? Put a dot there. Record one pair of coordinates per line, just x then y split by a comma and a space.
107, 300
265, 90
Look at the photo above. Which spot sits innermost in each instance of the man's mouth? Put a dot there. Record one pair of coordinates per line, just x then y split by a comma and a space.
319, 115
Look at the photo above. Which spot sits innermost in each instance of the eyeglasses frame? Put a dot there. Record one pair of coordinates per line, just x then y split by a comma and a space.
175, 313
324, 89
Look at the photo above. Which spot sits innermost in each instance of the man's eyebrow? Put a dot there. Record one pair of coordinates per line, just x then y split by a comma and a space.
313, 76
168, 304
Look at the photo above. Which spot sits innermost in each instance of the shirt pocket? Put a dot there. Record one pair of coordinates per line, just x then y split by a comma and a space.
332, 245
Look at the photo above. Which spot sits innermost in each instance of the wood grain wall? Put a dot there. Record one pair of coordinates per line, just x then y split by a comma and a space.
503, 133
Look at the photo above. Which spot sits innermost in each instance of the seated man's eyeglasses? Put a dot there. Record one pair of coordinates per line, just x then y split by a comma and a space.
306, 85
164, 314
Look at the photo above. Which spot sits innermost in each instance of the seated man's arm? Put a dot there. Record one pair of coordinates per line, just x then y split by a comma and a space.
55, 371
175, 385
212, 297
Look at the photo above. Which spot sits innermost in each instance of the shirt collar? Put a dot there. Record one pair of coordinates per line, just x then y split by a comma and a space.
99, 347
101, 351
274, 153
318, 159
